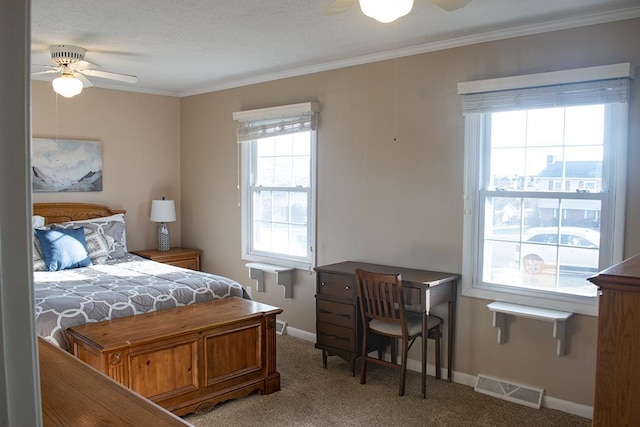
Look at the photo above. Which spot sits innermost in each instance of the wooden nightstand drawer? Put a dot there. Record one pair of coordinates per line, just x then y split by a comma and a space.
180, 257
186, 263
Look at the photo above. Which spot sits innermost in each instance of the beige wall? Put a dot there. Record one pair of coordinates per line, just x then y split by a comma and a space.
185, 149
140, 137
419, 179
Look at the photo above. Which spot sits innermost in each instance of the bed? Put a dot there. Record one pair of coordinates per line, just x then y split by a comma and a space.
117, 284
106, 285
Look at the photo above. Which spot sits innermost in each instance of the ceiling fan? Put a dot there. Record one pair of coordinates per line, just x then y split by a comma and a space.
73, 68
388, 10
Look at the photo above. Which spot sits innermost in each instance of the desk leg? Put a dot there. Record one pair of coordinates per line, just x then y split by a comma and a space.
424, 353
451, 335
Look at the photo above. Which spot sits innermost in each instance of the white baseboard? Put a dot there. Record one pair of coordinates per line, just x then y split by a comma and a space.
470, 380
584, 411
299, 333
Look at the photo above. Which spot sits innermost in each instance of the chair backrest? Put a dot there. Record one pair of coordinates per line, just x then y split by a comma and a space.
381, 297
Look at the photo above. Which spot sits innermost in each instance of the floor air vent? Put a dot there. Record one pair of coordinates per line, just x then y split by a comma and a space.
281, 327
518, 393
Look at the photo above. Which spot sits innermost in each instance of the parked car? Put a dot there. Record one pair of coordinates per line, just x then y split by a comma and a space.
571, 248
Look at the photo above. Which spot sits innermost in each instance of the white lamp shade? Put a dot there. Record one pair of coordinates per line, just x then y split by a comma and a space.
67, 85
163, 211
386, 10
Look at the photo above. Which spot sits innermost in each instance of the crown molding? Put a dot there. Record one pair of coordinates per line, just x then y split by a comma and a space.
507, 33
450, 43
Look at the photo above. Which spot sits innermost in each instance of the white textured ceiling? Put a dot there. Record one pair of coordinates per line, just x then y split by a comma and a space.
185, 47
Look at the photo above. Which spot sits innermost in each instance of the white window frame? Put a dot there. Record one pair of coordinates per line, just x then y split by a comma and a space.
614, 168
247, 162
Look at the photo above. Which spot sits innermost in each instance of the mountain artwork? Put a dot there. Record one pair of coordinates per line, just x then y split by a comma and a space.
59, 165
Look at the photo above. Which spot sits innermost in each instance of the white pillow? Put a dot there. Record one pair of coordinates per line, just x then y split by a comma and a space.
37, 221
38, 262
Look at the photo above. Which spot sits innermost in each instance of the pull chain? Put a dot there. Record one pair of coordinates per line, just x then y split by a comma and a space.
395, 85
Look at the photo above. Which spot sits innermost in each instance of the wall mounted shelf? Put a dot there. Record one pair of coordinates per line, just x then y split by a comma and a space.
502, 309
284, 276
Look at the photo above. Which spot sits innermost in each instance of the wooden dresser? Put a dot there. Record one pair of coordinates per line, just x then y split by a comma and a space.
180, 257
618, 358
190, 358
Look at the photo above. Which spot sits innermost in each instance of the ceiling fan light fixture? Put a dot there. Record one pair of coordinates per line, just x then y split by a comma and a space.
386, 11
67, 85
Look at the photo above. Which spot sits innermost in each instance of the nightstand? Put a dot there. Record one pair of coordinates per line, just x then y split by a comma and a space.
180, 257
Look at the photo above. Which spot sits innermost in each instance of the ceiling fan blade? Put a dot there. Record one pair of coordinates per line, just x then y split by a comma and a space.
109, 75
85, 81
83, 65
450, 5
38, 73
35, 68
338, 6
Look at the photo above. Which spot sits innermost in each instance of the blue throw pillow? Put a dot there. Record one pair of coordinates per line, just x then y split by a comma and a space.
63, 248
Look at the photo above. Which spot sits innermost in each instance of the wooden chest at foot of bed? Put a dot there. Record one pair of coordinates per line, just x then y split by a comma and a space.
187, 359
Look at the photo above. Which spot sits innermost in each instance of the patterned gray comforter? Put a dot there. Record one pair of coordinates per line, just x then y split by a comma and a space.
119, 288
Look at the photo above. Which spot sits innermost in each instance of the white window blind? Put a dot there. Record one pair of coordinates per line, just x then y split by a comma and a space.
604, 84
564, 95
273, 121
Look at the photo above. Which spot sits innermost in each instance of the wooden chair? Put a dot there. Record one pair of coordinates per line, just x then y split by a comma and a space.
383, 312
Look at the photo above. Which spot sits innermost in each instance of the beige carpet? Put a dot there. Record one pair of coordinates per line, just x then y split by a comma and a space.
313, 396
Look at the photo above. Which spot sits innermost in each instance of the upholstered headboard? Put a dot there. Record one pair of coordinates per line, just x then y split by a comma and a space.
63, 212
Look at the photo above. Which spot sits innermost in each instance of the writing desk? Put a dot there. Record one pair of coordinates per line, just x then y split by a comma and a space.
338, 325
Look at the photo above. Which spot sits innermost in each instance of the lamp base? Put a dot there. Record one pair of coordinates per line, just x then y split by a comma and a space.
163, 238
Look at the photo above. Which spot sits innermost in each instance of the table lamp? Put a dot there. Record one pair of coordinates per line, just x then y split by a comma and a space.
163, 211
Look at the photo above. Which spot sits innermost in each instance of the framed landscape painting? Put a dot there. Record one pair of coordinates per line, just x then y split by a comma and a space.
66, 165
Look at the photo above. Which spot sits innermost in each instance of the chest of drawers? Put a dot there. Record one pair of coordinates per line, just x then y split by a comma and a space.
618, 355
338, 329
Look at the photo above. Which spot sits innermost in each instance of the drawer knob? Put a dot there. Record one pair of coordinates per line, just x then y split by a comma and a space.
323, 284
115, 359
347, 287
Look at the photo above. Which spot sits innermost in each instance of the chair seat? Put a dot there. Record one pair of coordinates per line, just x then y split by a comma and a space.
414, 325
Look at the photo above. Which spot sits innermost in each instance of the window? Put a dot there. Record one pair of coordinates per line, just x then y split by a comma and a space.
544, 185
278, 151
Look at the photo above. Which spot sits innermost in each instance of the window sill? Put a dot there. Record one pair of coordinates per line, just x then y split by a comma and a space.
277, 261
